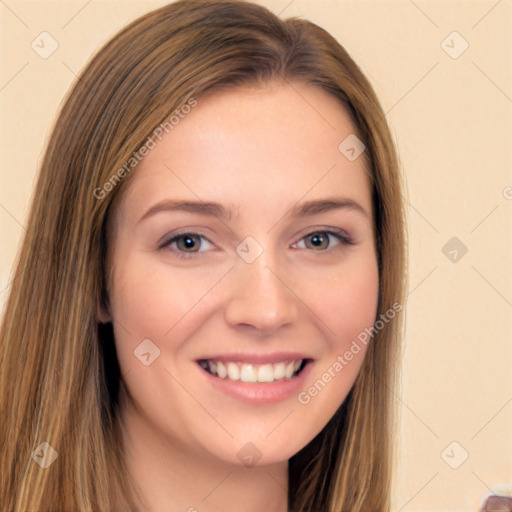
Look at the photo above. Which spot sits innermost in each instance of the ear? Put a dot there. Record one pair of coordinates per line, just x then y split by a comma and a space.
103, 315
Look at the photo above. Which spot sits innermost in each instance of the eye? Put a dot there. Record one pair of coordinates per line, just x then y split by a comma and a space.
187, 243
322, 240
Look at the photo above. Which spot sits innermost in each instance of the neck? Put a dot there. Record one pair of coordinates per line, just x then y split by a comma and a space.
171, 476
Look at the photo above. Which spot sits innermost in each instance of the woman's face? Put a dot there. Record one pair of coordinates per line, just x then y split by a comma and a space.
244, 245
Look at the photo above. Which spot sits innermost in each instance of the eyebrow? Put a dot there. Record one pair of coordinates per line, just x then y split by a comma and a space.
212, 209
325, 205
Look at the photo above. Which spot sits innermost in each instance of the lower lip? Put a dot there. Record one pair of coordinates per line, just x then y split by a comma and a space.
259, 392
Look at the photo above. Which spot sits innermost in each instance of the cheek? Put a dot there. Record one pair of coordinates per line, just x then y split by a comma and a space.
347, 301
149, 301
355, 305
347, 308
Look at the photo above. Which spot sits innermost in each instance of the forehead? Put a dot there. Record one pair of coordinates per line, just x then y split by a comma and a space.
255, 149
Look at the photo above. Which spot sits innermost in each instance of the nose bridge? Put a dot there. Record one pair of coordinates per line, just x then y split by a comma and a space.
259, 297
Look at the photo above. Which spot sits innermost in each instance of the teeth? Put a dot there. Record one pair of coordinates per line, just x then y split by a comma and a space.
248, 373
288, 372
266, 373
279, 371
252, 372
233, 371
221, 370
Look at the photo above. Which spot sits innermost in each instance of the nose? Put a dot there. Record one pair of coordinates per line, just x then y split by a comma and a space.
260, 299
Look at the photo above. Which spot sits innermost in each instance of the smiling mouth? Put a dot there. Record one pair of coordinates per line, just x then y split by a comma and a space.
247, 372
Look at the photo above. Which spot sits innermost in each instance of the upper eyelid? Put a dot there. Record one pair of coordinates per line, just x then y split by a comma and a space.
339, 233
171, 237
331, 230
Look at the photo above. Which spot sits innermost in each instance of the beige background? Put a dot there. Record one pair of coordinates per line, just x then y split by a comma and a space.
452, 121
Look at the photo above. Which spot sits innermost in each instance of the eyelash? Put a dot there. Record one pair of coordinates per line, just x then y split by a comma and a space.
338, 234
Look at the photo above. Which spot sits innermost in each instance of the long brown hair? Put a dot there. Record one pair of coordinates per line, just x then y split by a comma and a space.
60, 375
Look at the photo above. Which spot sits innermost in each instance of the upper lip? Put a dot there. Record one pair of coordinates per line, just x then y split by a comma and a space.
276, 357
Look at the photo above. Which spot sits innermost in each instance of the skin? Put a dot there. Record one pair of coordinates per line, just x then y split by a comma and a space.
259, 152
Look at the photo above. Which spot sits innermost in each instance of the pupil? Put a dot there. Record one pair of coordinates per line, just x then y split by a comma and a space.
317, 240
188, 242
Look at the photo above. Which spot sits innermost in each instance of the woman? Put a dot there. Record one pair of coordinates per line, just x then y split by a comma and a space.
206, 308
